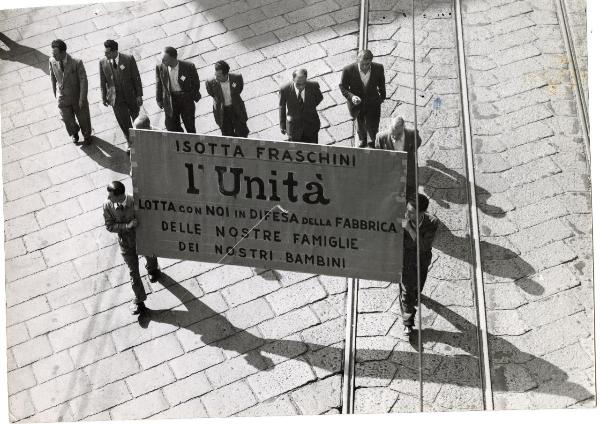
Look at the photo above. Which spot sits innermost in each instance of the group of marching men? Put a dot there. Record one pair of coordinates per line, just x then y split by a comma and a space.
178, 89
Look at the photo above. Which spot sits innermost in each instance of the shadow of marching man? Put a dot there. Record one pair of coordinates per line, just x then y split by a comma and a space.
216, 330
26, 55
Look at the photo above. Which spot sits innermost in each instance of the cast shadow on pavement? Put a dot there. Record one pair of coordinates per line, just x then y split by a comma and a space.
26, 55
461, 370
497, 260
107, 155
435, 176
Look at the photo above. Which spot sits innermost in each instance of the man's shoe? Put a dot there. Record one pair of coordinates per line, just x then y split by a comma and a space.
371, 145
154, 275
136, 308
75, 138
362, 144
87, 141
406, 333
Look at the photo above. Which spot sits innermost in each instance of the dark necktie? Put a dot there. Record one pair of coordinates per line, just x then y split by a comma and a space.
120, 207
300, 101
62, 66
114, 64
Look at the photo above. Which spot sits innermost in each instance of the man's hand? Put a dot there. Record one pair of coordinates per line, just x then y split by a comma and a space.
132, 224
356, 100
283, 131
140, 101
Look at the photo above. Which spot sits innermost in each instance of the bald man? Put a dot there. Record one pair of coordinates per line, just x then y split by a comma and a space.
397, 137
298, 101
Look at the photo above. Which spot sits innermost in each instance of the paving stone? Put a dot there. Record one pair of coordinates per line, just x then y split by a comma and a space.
99, 400
506, 322
228, 400
140, 407
149, 380
233, 370
59, 390
190, 409
249, 314
113, 368
20, 406
374, 400
53, 366
92, 351
20, 379
20, 226
16, 334
158, 350
32, 351
288, 323
249, 289
195, 361
280, 379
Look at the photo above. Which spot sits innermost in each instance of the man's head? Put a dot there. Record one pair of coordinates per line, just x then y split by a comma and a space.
59, 49
116, 191
169, 57
397, 127
221, 70
411, 207
364, 59
299, 75
142, 122
111, 49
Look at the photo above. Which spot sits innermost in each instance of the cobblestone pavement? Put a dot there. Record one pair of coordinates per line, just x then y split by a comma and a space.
232, 340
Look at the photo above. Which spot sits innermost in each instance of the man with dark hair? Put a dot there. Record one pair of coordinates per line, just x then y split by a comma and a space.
398, 137
363, 85
119, 217
298, 101
70, 86
121, 85
177, 89
229, 109
427, 226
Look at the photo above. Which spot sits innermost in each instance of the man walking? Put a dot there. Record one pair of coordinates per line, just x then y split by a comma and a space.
121, 86
119, 217
427, 226
363, 85
298, 101
70, 86
397, 137
229, 109
177, 91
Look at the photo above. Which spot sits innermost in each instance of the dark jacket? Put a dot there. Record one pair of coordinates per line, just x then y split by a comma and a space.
383, 140
116, 221
72, 84
371, 97
236, 85
188, 81
123, 83
294, 119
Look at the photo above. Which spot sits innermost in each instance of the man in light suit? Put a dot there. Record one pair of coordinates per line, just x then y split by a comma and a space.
70, 86
228, 107
121, 85
298, 101
177, 91
363, 85
397, 137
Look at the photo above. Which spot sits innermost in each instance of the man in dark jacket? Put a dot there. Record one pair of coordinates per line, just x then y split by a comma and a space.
177, 91
427, 225
397, 137
121, 85
298, 101
363, 85
228, 107
119, 217
70, 87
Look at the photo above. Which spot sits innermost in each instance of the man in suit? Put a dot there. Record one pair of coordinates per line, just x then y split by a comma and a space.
121, 85
177, 91
363, 85
397, 137
298, 101
228, 107
119, 217
427, 226
70, 86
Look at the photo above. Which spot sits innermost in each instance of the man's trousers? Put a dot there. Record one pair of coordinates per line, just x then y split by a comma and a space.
133, 263
125, 115
409, 287
68, 113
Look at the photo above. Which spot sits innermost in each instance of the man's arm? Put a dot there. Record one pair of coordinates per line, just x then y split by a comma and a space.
110, 223
319, 94
159, 88
241, 84
382, 84
282, 106
103, 85
428, 236
345, 85
195, 83
52, 78
83, 82
137, 79
209, 90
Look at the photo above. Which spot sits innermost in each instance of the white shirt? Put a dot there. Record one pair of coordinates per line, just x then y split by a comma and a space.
174, 77
123, 203
400, 140
364, 76
301, 94
60, 76
226, 89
